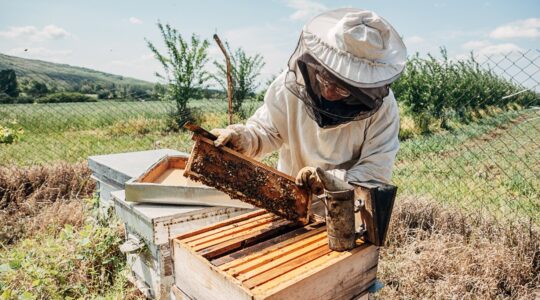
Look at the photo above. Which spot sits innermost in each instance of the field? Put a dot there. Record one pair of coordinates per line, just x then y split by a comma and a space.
473, 164
73, 131
465, 223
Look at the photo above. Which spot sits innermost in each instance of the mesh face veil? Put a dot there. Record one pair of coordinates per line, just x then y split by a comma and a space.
302, 80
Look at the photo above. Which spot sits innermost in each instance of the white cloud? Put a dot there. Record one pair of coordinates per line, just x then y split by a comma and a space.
499, 48
41, 53
413, 40
49, 32
484, 47
134, 20
305, 9
475, 45
528, 28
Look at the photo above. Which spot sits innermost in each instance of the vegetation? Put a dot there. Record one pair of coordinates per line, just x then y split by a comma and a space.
245, 70
436, 251
65, 98
184, 72
36, 89
10, 133
8, 83
435, 91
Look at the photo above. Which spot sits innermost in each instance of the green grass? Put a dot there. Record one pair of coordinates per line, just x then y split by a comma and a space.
491, 166
73, 131
70, 262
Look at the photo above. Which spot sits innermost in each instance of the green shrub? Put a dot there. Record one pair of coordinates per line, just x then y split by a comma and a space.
64, 97
435, 91
10, 133
136, 126
71, 265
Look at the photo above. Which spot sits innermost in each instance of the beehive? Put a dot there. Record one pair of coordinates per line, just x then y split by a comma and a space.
262, 256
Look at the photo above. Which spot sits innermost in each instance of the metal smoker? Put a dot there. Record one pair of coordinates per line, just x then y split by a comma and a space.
355, 210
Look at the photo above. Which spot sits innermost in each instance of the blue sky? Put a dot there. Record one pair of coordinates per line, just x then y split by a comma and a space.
109, 35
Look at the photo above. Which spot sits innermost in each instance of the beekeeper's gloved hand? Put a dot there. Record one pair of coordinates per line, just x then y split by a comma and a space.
228, 137
307, 178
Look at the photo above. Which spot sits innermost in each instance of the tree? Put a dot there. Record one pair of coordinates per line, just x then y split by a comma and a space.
244, 70
183, 66
37, 89
260, 95
8, 83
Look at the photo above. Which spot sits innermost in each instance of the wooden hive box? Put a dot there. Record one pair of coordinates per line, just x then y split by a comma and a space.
163, 182
262, 256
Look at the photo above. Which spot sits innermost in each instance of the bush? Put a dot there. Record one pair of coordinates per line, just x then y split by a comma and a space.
73, 264
10, 133
135, 126
6, 99
435, 91
65, 97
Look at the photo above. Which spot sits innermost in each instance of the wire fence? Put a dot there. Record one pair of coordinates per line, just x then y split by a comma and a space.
469, 134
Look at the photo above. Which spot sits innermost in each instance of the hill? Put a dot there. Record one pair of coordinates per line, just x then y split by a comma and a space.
66, 77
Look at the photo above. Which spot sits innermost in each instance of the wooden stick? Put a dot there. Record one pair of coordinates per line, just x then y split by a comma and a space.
229, 76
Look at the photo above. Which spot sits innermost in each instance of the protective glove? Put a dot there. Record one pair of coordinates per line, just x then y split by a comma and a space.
307, 178
228, 137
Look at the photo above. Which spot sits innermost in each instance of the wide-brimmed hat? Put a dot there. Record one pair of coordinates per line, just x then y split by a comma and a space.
356, 45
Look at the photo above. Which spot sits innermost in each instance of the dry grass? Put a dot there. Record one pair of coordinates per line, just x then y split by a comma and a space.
26, 193
436, 252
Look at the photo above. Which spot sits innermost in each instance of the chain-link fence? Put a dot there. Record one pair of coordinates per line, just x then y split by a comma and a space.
469, 131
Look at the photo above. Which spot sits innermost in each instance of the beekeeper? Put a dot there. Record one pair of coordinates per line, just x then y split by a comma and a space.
333, 108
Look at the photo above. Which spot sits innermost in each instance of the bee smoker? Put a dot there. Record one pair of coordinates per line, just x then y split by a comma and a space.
356, 210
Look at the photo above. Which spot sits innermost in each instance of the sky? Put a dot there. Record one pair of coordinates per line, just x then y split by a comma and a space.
110, 35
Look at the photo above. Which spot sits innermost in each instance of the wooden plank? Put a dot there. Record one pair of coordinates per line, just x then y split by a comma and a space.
176, 162
198, 279
287, 267
248, 180
221, 224
155, 172
337, 275
231, 228
269, 256
260, 249
233, 234
246, 240
278, 262
254, 261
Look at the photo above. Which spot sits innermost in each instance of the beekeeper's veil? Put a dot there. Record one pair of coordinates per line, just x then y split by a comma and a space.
359, 50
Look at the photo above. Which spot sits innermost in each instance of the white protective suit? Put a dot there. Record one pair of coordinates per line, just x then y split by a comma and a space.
356, 151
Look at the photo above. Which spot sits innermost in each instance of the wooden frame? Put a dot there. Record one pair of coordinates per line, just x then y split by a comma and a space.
153, 186
244, 178
261, 256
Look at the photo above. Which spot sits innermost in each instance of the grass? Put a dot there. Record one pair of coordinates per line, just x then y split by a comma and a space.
489, 167
436, 251
73, 131
53, 244
68, 261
